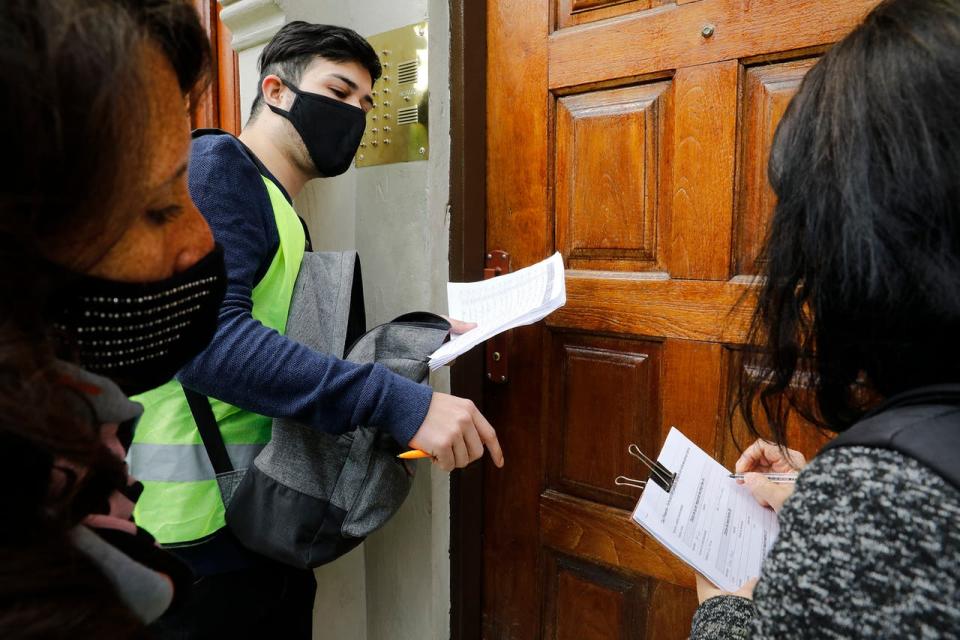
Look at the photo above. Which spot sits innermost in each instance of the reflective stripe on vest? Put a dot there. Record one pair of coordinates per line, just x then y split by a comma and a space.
185, 462
180, 500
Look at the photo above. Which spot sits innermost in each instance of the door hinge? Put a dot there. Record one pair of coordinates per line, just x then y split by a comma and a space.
497, 263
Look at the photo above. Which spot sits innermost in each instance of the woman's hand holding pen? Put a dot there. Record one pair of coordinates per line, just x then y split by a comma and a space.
766, 457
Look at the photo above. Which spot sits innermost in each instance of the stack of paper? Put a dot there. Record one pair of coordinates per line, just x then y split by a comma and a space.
502, 303
707, 520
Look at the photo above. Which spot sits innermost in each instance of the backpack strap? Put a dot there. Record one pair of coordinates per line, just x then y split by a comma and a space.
923, 424
209, 431
344, 284
356, 316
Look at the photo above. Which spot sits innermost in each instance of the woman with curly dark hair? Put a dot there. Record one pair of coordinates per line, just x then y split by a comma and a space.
109, 283
857, 328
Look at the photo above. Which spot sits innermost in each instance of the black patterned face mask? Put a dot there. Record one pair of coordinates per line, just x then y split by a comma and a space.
140, 334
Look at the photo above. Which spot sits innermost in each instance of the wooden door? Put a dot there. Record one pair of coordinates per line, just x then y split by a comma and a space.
631, 135
219, 105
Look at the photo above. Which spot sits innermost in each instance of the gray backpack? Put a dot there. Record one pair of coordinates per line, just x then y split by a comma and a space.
311, 496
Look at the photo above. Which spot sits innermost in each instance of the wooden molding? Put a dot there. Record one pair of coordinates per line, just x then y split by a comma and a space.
252, 22
219, 105
468, 220
228, 80
672, 37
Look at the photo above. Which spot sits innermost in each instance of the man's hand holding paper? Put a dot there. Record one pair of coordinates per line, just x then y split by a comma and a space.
502, 303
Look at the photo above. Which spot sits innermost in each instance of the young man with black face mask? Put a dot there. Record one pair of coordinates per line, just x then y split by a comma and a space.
307, 121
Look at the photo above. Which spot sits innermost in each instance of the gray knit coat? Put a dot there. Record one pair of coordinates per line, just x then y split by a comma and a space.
869, 547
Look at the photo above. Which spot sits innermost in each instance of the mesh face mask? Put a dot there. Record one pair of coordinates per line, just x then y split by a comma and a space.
140, 334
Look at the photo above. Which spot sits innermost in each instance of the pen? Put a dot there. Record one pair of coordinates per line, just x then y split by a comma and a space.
777, 478
414, 454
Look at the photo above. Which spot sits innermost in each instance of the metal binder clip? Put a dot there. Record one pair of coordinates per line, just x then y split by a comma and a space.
624, 481
659, 474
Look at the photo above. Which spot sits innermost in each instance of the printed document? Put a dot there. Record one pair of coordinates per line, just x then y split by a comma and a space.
501, 303
707, 520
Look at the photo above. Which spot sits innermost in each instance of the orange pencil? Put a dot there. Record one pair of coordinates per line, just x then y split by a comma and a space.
414, 454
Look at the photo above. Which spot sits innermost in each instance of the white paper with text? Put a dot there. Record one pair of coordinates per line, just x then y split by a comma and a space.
501, 303
708, 520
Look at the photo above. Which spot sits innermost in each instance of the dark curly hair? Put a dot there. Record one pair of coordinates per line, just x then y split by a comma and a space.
861, 292
72, 76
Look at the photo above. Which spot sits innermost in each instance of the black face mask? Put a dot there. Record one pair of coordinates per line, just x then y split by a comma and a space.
140, 334
331, 130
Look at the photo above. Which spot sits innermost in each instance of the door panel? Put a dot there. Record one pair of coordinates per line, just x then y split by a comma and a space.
767, 90
603, 385
704, 135
574, 12
584, 601
633, 140
607, 183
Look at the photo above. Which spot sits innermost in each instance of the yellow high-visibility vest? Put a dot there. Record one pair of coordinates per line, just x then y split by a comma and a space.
181, 500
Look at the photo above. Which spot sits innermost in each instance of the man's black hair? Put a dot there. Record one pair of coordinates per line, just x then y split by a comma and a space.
289, 53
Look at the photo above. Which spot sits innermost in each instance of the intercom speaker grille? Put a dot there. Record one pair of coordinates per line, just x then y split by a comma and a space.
408, 115
407, 72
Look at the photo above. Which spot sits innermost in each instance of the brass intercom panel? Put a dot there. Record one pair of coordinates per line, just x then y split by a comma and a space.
397, 123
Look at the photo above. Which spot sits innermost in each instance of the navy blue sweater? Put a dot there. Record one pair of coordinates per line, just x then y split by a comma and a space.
254, 367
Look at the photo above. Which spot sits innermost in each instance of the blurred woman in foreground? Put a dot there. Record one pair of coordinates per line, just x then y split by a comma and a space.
109, 283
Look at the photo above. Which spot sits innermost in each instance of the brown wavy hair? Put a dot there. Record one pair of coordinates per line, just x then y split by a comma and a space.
73, 77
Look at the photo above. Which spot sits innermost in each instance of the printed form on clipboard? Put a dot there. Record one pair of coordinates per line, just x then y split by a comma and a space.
707, 520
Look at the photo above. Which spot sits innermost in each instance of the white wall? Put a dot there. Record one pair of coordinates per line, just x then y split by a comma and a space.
396, 585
